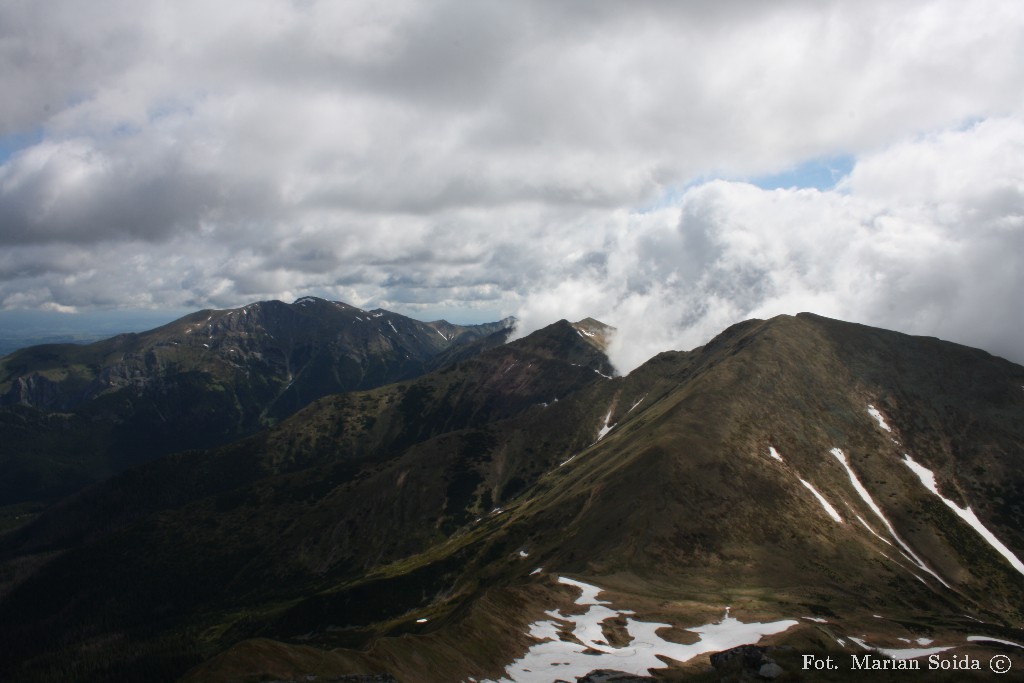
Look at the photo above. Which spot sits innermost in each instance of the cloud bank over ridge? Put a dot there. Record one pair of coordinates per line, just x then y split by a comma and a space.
547, 160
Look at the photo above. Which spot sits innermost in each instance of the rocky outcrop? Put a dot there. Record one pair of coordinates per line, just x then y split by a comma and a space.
610, 676
34, 390
752, 660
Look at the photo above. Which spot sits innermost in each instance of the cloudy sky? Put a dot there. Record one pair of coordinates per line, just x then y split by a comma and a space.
667, 167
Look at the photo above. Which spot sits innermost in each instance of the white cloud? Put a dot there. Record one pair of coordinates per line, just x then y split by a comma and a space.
915, 239
57, 308
493, 156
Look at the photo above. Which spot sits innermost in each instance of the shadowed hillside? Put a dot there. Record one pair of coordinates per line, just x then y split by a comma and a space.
854, 487
72, 414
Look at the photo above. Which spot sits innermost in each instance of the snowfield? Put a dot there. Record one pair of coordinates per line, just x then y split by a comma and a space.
559, 656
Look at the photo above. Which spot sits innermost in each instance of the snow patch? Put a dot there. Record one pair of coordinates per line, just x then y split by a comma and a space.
605, 429
824, 503
866, 497
538, 570
817, 620
421, 621
927, 478
571, 458
978, 639
636, 404
523, 553
878, 417
876, 534
588, 592
775, 454
555, 659
902, 653
392, 327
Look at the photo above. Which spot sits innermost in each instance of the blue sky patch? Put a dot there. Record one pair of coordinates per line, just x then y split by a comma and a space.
820, 174
15, 142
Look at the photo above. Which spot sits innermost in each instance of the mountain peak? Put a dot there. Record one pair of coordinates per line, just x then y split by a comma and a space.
566, 341
307, 300
595, 332
304, 301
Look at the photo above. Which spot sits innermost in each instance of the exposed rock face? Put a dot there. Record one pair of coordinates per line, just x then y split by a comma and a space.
750, 659
34, 390
609, 676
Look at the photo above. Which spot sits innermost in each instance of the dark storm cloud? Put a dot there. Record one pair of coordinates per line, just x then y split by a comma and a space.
82, 196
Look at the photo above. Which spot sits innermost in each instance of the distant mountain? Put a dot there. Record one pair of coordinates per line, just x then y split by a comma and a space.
72, 414
800, 483
9, 345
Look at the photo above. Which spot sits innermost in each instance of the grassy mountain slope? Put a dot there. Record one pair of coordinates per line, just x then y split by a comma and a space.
681, 507
679, 489
352, 482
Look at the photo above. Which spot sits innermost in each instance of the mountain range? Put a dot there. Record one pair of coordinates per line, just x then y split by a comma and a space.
513, 510
71, 415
